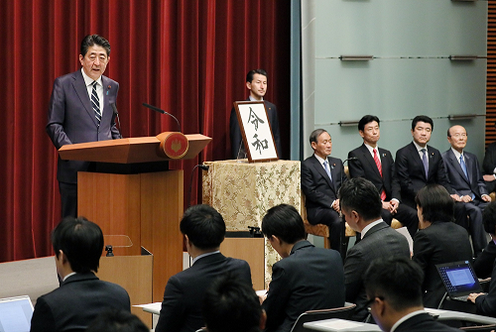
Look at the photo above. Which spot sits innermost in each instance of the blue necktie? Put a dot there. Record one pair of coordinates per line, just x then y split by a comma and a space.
463, 166
426, 164
328, 171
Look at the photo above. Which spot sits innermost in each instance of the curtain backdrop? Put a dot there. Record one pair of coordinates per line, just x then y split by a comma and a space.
187, 57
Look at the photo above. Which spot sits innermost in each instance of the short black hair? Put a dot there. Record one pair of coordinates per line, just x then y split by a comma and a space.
386, 278
91, 40
231, 305
81, 242
367, 119
436, 203
251, 73
114, 320
422, 118
314, 136
204, 226
285, 222
360, 195
489, 218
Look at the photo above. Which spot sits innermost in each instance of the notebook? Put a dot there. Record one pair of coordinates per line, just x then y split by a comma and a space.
459, 279
15, 314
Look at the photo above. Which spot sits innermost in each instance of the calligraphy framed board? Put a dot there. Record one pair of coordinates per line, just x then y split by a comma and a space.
256, 131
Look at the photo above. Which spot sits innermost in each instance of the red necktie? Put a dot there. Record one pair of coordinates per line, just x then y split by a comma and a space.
379, 167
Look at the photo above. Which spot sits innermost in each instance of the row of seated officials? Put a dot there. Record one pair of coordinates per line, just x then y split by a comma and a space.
378, 274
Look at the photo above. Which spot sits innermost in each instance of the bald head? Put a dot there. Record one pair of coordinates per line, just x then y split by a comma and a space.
457, 137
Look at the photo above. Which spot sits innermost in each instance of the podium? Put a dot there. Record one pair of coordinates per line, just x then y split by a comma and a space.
135, 199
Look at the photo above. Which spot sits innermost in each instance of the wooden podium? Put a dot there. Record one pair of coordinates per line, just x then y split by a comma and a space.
135, 199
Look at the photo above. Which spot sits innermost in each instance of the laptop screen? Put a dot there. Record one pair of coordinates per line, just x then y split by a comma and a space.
459, 278
15, 314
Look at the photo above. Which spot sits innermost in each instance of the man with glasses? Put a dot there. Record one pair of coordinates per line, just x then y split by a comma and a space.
396, 305
466, 180
81, 110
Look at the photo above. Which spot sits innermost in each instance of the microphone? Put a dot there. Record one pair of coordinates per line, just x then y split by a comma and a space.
350, 158
156, 109
114, 109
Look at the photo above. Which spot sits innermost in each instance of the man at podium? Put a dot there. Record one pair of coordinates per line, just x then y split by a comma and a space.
82, 109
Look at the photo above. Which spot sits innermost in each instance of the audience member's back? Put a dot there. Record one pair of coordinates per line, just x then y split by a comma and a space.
306, 278
117, 321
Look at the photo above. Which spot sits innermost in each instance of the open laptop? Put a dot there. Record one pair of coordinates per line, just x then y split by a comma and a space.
15, 314
459, 279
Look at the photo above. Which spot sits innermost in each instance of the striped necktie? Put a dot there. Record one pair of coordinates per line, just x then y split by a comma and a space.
379, 167
95, 103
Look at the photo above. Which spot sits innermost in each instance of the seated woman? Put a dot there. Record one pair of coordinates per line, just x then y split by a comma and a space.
486, 303
439, 240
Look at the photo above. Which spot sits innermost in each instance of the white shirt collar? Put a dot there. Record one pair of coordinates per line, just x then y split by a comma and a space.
457, 154
88, 80
419, 147
253, 99
205, 255
404, 318
320, 159
69, 275
369, 226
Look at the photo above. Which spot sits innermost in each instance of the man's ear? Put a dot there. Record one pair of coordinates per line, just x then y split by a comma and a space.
381, 306
263, 320
248, 85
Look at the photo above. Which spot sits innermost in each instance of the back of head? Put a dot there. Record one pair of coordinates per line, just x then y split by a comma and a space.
113, 320
367, 119
81, 242
489, 218
422, 118
231, 305
360, 195
285, 222
251, 73
385, 278
91, 40
204, 226
436, 203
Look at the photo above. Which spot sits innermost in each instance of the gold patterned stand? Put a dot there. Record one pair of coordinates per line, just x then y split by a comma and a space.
243, 192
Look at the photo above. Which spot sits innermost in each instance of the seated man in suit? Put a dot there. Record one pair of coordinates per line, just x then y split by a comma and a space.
377, 165
321, 177
256, 82
418, 164
306, 278
361, 206
489, 166
204, 230
232, 305
78, 246
486, 303
396, 305
466, 180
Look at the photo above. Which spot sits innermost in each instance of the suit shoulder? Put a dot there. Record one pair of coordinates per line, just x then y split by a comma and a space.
432, 149
335, 160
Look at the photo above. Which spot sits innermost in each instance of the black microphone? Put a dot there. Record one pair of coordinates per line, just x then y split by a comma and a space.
114, 109
156, 109
350, 158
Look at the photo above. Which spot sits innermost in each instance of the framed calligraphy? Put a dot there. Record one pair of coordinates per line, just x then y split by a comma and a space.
256, 131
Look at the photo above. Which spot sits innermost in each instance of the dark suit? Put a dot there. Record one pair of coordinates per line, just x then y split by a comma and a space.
235, 131
76, 303
423, 323
483, 265
183, 296
310, 278
441, 242
381, 241
364, 166
71, 120
486, 304
463, 186
411, 174
489, 164
320, 192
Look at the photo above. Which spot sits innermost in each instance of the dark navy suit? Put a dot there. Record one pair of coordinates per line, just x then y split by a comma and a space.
320, 192
71, 120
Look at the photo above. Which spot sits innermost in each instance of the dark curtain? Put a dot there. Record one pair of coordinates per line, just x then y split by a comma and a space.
187, 57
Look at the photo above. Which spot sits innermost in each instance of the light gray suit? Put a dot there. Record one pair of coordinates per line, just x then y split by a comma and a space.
381, 241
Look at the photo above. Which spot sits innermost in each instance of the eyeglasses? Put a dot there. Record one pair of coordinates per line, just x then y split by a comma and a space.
369, 303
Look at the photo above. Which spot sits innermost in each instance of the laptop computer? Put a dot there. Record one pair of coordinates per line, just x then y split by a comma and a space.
459, 279
15, 314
